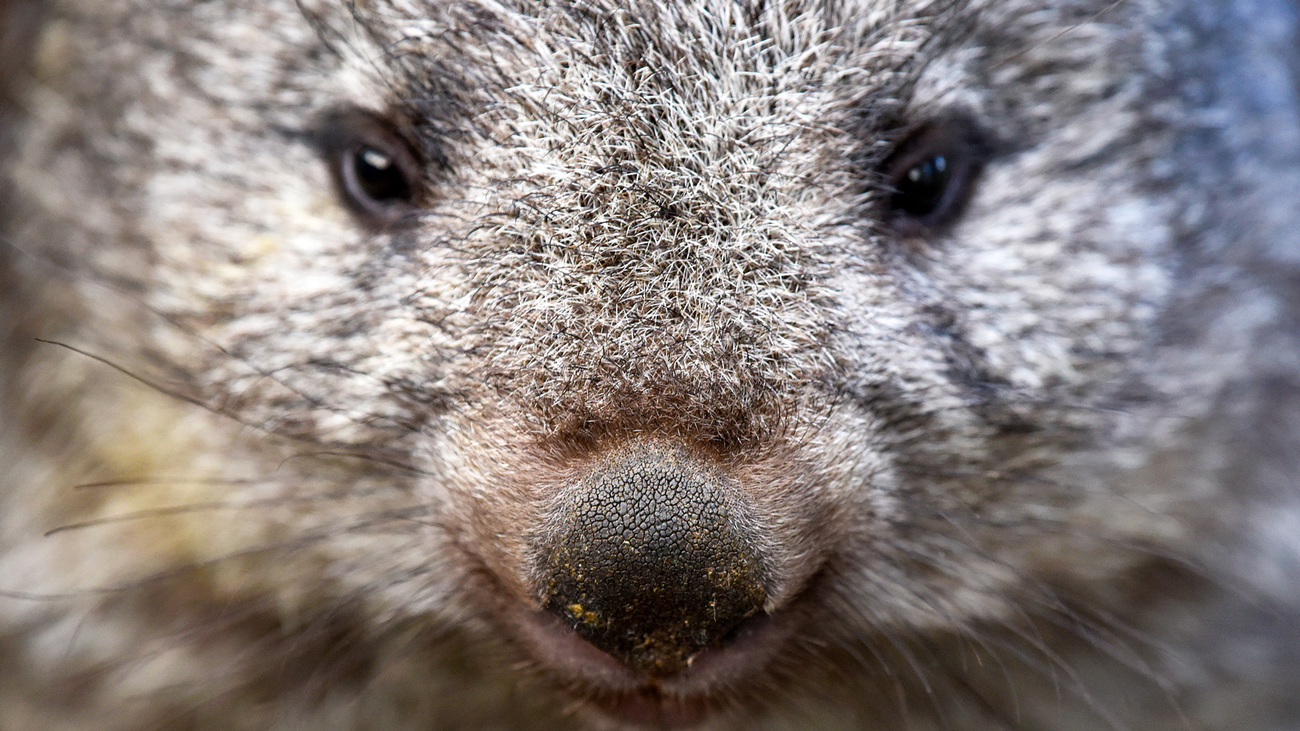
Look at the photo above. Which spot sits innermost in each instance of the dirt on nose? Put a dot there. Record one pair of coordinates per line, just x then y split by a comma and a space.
651, 557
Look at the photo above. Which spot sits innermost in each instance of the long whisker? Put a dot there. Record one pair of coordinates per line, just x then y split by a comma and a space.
299, 542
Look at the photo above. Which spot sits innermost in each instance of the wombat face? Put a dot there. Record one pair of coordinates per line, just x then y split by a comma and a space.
681, 357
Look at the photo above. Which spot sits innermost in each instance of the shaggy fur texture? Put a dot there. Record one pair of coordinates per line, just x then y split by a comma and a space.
270, 463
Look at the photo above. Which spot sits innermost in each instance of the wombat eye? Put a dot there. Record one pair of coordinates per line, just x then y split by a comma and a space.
372, 176
920, 191
374, 168
930, 176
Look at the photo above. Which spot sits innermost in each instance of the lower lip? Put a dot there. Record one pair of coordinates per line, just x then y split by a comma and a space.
673, 701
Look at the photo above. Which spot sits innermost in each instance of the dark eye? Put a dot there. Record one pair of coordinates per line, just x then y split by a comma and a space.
373, 176
375, 169
920, 191
930, 175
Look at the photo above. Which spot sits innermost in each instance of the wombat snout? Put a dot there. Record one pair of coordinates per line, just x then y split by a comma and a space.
651, 557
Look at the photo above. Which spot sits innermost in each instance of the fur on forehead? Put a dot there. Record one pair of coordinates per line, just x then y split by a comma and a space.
705, 52
459, 67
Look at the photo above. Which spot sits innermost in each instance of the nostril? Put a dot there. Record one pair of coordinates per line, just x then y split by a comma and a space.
651, 559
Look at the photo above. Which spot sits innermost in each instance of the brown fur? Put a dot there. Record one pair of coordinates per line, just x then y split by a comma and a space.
276, 464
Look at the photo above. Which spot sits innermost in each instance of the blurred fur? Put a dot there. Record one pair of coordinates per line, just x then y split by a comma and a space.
267, 467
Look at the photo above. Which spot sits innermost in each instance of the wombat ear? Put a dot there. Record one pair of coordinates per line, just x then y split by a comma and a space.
376, 171
931, 173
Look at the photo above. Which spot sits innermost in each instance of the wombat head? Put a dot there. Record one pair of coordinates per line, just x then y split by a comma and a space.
671, 349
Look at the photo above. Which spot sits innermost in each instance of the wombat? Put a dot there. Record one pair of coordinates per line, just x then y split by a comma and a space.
733, 364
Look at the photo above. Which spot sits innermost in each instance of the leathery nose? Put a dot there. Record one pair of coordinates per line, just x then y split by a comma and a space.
651, 557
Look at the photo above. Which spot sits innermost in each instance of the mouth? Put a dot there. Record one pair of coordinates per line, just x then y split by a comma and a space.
648, 589
709, 678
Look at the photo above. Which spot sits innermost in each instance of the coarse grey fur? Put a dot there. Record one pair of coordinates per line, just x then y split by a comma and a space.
268, 465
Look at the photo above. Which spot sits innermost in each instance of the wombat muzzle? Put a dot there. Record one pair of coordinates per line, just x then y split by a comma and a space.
652, 558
